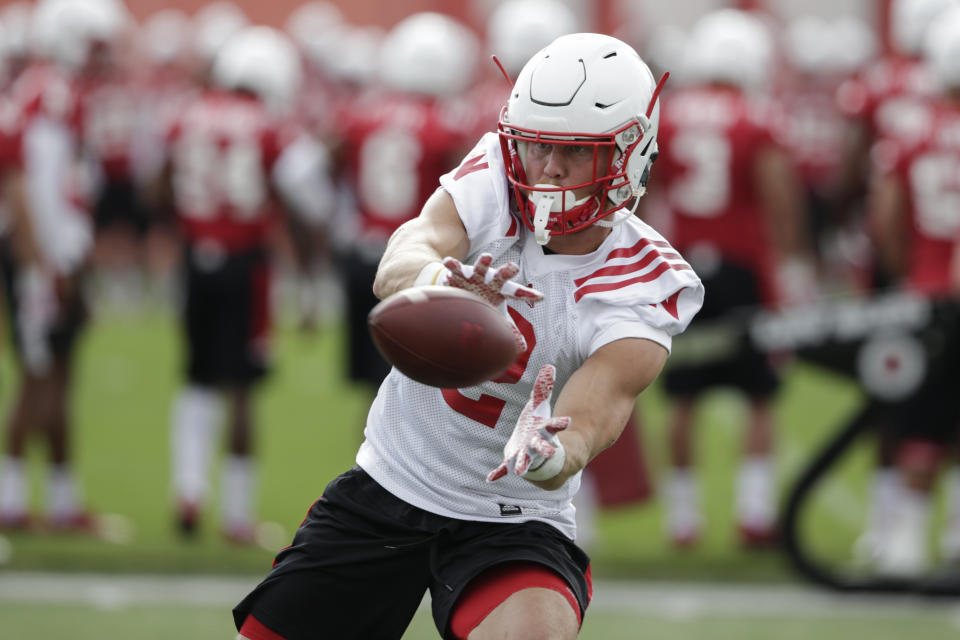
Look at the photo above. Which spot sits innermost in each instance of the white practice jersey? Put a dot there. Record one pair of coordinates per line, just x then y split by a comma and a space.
434, 447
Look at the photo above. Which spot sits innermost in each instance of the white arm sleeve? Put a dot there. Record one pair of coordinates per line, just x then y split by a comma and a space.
61, 230
301, 177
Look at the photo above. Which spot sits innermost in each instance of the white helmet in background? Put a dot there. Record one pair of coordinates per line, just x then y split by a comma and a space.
730, 46
357, 59
517, 29
212, 26
316, 28
166, 35
311, 20
261, 60
942, 49
428, 53
821, 47
909, 20
15, 18
588, 90
855, 43
64, 31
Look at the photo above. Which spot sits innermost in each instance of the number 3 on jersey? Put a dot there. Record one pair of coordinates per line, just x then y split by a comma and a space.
487, 409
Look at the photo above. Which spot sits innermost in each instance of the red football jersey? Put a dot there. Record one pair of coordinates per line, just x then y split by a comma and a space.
815, 131
929, 171
43, 91
709, 140
222, 149
111, 107
891, 97
395, 148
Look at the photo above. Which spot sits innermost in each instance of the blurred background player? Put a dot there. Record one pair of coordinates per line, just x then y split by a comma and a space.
734, 209
395, 140
819, 55
888, 104
915, 216
235, 161
46, 247
111, 104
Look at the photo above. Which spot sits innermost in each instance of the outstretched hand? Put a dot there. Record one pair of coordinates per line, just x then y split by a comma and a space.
534, 451
493, 285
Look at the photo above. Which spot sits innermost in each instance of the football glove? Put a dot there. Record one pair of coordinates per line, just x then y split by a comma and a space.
533, 451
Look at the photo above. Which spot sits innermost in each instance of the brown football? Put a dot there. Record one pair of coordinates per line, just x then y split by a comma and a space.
442, 336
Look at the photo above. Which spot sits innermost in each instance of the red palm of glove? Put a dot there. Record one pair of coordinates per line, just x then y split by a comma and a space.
495, 286
534, 438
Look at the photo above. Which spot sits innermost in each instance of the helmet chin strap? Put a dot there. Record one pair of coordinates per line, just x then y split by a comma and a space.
547, 202
621, 215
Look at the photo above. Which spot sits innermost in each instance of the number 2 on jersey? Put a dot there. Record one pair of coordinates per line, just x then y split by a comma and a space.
487, 409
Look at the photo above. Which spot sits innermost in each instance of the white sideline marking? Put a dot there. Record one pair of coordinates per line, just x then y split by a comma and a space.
663, 600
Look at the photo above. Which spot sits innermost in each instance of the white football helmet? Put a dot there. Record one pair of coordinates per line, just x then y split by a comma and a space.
517, 29
820, 47
261, 60
64, 31
311, 20
730, 46
942, 49
15, 18
583, 90
212, 26
909, 20
357, 59
165, 35
428, 53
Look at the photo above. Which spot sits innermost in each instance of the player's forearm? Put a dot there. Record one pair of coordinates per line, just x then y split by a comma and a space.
434, 235
403, 260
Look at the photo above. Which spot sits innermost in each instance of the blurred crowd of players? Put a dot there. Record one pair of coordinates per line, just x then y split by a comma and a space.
798, 161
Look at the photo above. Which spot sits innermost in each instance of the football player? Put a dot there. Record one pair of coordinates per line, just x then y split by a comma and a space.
467, 492
734, 206
46, 247
395, 142
915, 215
889, 103
233, 164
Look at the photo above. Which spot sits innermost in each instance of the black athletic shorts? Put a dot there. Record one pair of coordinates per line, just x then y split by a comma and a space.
730, 289
72, 316
365, 362
362, 560
226, 317
119, 204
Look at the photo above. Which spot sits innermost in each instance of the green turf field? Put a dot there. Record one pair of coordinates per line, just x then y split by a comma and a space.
310, 425
164, 622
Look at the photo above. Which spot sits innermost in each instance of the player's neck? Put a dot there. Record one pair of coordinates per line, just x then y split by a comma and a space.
582, 242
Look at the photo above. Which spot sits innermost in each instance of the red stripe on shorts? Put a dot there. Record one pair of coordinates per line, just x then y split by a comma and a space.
254, 630
492, 587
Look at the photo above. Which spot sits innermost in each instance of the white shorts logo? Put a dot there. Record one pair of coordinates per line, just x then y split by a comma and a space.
892, 367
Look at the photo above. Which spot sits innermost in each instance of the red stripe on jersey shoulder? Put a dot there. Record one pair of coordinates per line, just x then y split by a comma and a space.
621, 269
650, 276
629, 252
469, 166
